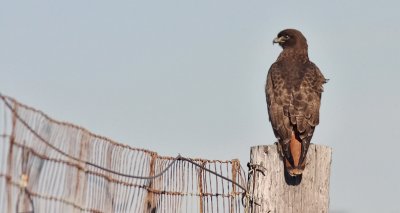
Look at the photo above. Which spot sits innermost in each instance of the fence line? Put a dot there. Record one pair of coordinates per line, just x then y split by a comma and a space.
52, 166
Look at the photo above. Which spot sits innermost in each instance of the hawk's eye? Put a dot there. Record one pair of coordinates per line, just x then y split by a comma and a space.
287, 36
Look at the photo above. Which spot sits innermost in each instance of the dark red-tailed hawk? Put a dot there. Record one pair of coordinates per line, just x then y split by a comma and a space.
293, 90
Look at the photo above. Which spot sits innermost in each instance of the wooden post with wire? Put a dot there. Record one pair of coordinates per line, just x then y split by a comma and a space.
270, 192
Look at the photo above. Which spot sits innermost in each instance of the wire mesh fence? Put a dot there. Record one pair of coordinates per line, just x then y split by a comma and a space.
52, 166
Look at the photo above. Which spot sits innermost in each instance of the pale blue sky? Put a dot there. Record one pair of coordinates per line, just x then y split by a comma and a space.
188, 77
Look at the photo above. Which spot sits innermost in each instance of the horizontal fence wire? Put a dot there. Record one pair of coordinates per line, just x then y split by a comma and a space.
52, 166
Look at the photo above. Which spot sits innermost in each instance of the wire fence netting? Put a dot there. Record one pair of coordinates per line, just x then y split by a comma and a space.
52, 166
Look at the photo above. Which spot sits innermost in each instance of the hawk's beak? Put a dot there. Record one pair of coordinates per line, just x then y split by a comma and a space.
279, 40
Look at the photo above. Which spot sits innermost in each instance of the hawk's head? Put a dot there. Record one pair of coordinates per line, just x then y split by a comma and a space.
291, 38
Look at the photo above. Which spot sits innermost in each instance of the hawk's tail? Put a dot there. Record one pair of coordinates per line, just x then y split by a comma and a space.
295, 164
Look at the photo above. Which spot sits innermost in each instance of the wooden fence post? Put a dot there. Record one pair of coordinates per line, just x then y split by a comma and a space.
150, 202
269, 191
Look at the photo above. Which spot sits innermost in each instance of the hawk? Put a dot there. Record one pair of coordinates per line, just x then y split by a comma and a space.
293, 92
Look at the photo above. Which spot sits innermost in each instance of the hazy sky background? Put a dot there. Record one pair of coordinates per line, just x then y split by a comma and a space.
188, 77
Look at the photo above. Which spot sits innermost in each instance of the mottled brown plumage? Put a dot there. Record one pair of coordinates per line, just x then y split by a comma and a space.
293, 91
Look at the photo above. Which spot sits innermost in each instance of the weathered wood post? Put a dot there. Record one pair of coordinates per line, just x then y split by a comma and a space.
151, 202
269, 191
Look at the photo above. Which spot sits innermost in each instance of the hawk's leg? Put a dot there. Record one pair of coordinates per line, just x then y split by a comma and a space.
279, 147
